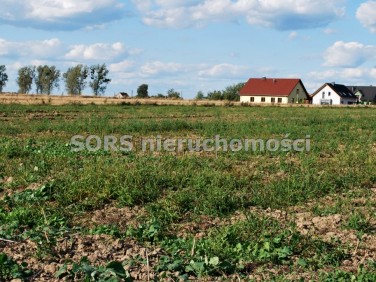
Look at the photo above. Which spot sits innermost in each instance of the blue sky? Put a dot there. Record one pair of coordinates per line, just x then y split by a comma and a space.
193, 45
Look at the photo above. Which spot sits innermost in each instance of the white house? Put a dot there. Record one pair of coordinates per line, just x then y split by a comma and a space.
365, 94
273, 90
122, 95
333, 94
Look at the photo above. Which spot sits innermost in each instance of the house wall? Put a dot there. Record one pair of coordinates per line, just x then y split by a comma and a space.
330, 94
298, 95
119, 96
258, 99
347, 101
363, 99
359, 95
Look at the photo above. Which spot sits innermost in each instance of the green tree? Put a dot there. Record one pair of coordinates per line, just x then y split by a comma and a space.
215, 95
161, 96
3, 77
25, 79
172, 94
99, 79
200, 95
75, 79
143, 91
46, 79
231, 92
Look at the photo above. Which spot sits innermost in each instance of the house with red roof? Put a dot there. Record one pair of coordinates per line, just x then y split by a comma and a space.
274, 90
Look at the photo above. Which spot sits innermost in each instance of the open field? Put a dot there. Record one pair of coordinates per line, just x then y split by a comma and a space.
23, 99
178, 216
92, 100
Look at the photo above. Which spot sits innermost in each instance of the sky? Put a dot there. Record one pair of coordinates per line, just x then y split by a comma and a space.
193, 45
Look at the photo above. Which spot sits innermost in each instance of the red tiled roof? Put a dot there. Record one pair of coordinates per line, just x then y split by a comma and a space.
269, 87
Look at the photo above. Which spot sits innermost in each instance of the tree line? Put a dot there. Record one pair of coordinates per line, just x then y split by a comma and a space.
230, 93
143, 92
45, 78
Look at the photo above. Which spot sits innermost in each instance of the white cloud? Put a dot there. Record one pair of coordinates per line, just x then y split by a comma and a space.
225, 71
122, 66
283, 15
50, 48
157, 68
330, 31
14, 66
97, 52
347, 76
366, 14
59, 14
39, 62
53, 10
348, 54
162, 76
55, 50
293, 35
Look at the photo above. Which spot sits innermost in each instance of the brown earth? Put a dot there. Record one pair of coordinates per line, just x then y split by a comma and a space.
101, 249
12, 98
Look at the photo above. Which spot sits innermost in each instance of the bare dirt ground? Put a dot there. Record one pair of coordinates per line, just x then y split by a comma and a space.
86, 100
10, 98
99, 249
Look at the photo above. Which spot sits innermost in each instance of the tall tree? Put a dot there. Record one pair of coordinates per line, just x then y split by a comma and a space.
75, 79
99, 79
3, 77
143, 91
172, 94
231, 92
25, 79
215, 95
200, 95
46, 79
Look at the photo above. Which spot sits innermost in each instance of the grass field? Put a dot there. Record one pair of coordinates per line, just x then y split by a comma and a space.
176, 216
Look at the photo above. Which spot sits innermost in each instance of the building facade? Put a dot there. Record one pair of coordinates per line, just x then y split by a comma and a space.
334, 94
273, 90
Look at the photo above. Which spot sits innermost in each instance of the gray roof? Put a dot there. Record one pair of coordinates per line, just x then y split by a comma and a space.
368, 92
340, 89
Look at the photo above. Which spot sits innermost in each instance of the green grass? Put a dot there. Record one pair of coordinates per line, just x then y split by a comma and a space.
51, 185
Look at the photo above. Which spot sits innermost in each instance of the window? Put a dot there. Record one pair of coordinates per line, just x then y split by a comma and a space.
297, 91
252, 99
279, 100
272, 100
292, 100
329, 93
323, 94
263, 99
